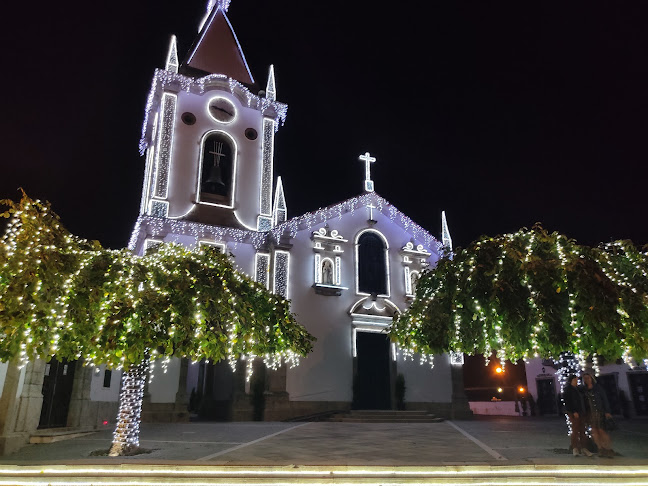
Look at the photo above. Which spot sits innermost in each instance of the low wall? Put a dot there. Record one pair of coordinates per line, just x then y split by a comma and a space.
494, 408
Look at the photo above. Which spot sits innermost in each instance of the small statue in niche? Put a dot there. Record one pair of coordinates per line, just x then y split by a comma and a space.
414, 280
327, 272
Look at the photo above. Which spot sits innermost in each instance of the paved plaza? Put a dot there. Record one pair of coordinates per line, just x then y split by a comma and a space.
483, 441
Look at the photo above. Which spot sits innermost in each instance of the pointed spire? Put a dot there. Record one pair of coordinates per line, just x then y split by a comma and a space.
446, 239
279, 211
172, 56
216, 49
271, 90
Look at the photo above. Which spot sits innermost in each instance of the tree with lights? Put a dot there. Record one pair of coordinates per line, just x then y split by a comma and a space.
70, 298
533, 294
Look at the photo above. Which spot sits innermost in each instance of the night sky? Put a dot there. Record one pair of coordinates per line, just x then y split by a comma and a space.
501, 114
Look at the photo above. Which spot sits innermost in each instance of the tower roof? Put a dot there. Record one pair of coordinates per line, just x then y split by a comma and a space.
217, 50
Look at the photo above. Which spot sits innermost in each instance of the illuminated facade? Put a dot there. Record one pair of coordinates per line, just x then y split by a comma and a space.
348, 269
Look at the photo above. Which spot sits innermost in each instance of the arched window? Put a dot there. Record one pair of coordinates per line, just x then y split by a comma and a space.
217, 169
372, 264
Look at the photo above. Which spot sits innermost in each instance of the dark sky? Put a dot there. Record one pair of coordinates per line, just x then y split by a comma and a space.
503, 114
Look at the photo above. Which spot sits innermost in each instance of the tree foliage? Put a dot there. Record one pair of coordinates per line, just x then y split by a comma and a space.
67, 297
532, 293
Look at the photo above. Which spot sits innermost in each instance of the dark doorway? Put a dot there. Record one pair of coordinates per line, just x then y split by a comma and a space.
639, 391
57, 391
372, 387
546, 396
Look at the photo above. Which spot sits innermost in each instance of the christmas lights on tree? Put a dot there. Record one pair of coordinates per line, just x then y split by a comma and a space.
529, 294
66, 297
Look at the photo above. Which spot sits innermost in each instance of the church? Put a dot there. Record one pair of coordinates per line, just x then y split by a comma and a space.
348, 268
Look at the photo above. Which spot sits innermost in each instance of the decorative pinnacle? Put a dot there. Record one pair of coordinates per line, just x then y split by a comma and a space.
172, 56
446, 239
271, 90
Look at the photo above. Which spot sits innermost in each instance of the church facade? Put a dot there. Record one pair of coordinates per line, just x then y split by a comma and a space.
348, 269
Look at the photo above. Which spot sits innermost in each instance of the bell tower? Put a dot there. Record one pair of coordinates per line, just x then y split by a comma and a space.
208, 133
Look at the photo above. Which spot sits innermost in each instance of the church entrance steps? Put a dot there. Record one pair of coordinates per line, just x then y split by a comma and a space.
183, 474
386, 416
47, 436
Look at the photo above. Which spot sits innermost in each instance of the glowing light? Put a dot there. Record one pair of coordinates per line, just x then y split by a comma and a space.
330, 213
446, 239
265, 188
499, 390
271, 90
368, 160
172, 57
262, 269
499, 370
164, 146
279, 211
456, 358
159, 209
163, 80
281, 272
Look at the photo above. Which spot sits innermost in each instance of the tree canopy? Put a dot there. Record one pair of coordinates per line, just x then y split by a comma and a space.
532, 293
67, 297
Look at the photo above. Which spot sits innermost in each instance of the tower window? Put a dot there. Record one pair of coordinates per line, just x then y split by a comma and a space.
372, 264
217, 169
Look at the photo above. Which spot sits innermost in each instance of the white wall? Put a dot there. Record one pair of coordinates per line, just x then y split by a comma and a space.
99, 393
426, 384
164, 386
327, 373
183, 177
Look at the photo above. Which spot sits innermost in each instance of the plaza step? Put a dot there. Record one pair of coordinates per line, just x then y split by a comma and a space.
385, 416
47, 436
198, 475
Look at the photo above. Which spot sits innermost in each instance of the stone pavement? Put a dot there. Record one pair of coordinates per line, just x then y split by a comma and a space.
485, 441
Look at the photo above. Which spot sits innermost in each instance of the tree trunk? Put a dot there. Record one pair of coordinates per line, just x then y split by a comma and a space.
126, 435
568, 365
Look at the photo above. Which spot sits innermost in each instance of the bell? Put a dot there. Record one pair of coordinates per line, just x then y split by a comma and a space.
215, 181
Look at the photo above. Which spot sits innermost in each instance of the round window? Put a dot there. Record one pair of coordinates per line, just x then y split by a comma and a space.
251, 134
188, 118
221, 110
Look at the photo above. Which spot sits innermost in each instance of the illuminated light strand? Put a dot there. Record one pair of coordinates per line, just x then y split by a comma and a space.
126, 435
323, 215
281, 272
164, 146
166, 80
265, 188
161, 227
532, 303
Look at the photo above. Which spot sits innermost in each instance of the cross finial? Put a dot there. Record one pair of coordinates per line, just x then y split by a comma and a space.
368, 160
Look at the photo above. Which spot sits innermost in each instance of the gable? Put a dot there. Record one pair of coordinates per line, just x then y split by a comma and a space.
350, 217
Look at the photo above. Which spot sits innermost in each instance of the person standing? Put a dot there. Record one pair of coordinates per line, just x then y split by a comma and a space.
575, 409
598, 409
